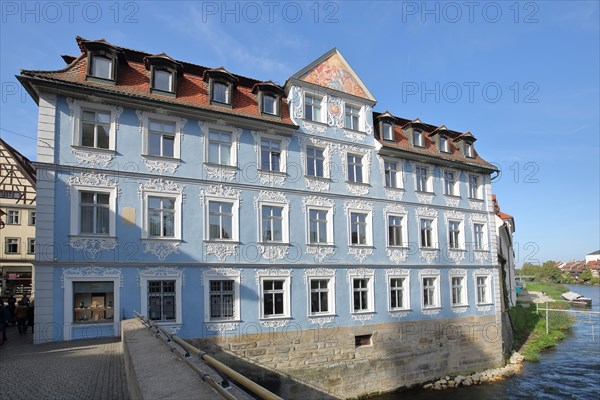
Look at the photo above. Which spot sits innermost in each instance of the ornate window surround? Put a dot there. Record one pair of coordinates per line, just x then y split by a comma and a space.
222, 274
432, 214
161, 274
220, 171
431, 273
75, 108
394, 193
321, 273
357, 188
161, 188
464, 304
456, 186
277, 199
144, 117
429, 183
223, 194
396, 210
361, 207
477, 218
93, 183
319, 203
266, 176
398, 273
489, 301
455, 216
277, 274
362, 273
313, 182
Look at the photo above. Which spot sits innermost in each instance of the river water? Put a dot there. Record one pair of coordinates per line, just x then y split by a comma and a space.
571, 370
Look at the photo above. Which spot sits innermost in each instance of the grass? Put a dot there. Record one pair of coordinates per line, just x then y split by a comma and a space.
530, 326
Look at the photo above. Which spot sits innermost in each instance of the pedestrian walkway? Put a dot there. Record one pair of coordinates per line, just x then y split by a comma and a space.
83, 369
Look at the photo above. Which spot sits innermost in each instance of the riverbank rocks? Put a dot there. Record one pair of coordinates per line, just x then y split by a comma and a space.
513, 367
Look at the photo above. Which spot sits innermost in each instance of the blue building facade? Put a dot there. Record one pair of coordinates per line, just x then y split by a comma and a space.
219, 205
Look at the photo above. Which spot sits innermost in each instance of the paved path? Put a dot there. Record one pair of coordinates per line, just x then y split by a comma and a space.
82, 369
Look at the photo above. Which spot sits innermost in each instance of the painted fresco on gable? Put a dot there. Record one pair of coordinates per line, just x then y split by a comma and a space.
334, 74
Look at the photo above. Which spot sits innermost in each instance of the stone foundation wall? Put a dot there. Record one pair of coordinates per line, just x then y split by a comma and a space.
399, 354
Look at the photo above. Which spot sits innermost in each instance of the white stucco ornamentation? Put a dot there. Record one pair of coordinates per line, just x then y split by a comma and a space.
220, 172
297, 102
271, 272
161, 248
93, 246
271, 178
425, 198
320, 321
276, 324
220, 191
318, 201
429, 256
354, 136
220, 271
91, 179
397, 255
476, 205
392, 194
357, 189
160, 185
318, 185
357, 205
221, 326
451, 201
481, 255
360, 253
362, 318
92, 158
273, 251
90, 272
316, 129
311, 272
485, 308
425, 212
161, 167
453, 215
320, 252
335, 111
434, 311
159, 272
393, 209
456, 255
360, 273
221, 250
270, 196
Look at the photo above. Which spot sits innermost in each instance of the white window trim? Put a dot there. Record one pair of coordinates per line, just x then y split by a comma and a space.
434, 233
235, 132
461, 234
362, 273
456, 186
489, 295
285, 226
235, 219
75, 209
422, 137
403, 228
399, 172
327, 148
480, 184
481, 220
360, 207
383, 130
459, 273
319, 203
176, 276
361, 117
429, 180
145, 118
435, 274
219, 274
287, 283
404, 274
321, 273
178, 211
323, 107
77, 108
8, 217
284, 141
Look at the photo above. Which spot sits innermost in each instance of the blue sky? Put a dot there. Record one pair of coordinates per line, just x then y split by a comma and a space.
522, 77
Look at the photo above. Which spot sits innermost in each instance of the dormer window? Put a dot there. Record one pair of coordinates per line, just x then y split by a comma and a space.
220, 93
269, 104
388, 132
163, 74
352, 118
102, 67
418, 140
102, 60
469, 150
221, 84
444, 144
268, 97
162, 80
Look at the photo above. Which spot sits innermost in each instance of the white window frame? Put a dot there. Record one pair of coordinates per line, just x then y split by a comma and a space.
484, 243
283, 142
455, 185
144, 277
478, 189
461, 234
321, 274
222, 274
13, 217
326, 158
76, 214
444, 140
469, 150
384, 130
30, 242
399, 182
322, 107
364, 178
146, 117
111, 66
285, 226
6, 244
403, 229
434, 233
488, 288
329, 221
428, 179
77, 110
362, 274
145, 214
171, 73
32, 216
368, 227
459, 273
235, 132
405, 290
360, 124
287, 298
436, 293
421, 135
235, 223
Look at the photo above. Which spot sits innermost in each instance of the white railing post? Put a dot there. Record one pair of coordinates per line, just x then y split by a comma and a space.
546, 318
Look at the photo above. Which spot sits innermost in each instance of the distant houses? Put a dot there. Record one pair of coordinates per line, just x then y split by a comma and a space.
576, 268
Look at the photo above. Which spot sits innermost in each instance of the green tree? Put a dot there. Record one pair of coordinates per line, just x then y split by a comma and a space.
586, 275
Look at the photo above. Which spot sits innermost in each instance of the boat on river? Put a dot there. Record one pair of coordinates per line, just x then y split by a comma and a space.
577, 300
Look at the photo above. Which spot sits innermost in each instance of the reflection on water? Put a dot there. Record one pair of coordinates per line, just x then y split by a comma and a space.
571, 370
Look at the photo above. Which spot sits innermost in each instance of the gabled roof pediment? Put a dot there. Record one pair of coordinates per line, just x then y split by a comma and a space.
332, 71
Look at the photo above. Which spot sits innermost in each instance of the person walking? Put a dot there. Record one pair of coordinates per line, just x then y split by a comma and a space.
3, 321
21, 315
11, 310
30, 314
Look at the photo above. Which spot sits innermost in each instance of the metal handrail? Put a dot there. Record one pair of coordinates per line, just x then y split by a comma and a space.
215, 364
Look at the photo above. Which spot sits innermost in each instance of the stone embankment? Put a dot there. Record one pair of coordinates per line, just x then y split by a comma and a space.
490, 375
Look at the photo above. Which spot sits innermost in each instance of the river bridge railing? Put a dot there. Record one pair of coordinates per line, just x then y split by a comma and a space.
226, 373
593, 317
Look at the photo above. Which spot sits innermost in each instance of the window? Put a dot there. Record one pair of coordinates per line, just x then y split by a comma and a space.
352, 118
272, 223
221, 93
314, 162
14, 217
11, 246
360, 289
161, 216
430, 292
269, 104
362, 340
473, 187
469, 150
459, 291
318, 226
93, 302
319, 296
449, 183
162, 80
422, 179
355, 168
95, 129
418, 138
31, 246
270, 155
102, 67
161, 300
94, 213
427, 233
395, 230
391, 174
454, 235
312, 108
388, 132
222, 299
275, 298
219, 148
358, 228
398, 293
32, 218
483, 289
444, 144
161, 139
220, 220
478, 236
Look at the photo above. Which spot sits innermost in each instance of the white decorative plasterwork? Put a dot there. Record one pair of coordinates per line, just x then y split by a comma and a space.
320, 252
220, 271
459, 309
476, 205
357, 189
161, 248
316, 129
297, 103
335, 111
90, 272
160, 185
392, 194
92, 158
425, 212
274, 272
451, 201
161, 167
221, 250
357, 205
320, 320
393, 209
318, 201
90, 179
481, 255
280, 323
360, 273
477, 217
429, 255
311, 272
354, 136
318, 185
273, 251
428, 272
93, 246
485, 308
362, 188
271, 178
220, 172
397, 255
425, 198
454, 215
158, 272
270, 196
368, 126
362, 317
456, 255
433, 311
360, 253
402, 272
221, 326
220, 191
